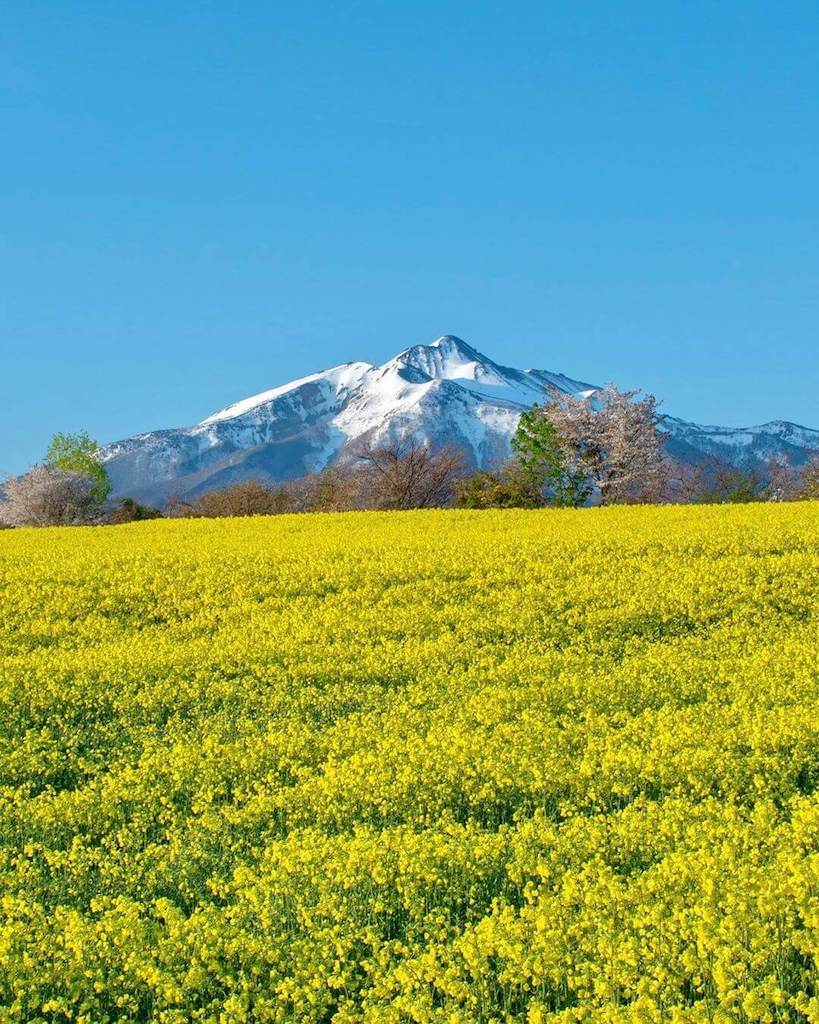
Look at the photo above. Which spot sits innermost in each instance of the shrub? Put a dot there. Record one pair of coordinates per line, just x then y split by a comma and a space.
719, 483
249, 498
509, 487
131, 511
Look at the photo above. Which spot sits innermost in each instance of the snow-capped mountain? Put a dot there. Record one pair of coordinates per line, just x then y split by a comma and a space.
442, 393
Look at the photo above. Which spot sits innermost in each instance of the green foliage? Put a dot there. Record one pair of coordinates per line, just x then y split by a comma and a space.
505, 488
727, 485
746, 490
79, 453
542, 459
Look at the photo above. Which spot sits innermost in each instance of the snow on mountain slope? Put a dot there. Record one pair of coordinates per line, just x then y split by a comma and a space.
342, 378
442, 393
745, 447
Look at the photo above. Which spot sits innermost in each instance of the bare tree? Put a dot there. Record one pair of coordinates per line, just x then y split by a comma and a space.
390, 476
408, 474
615, 439
809, 480
47, 496
248, 498
681, 482
712, 481
177, 508
782, 482
334, 489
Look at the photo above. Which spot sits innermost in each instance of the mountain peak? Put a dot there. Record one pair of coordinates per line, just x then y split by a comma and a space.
450, 358
455, 347
450, 342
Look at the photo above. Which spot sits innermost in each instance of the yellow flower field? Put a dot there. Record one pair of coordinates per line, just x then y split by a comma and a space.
413, 767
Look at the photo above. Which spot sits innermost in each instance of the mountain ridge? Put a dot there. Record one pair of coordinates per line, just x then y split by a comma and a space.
446, 392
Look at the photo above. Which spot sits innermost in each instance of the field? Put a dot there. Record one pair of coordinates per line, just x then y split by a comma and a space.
413, 767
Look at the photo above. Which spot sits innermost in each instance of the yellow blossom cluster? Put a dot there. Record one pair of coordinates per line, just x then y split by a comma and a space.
405, 768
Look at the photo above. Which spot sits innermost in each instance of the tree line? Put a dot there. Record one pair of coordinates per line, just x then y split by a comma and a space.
567, 452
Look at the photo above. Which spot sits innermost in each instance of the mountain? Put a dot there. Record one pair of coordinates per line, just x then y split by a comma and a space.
442, 393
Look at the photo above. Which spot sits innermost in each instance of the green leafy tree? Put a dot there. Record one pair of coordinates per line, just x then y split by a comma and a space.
541, 455
79, 453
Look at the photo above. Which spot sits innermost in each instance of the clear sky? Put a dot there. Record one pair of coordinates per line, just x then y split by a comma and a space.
201, 200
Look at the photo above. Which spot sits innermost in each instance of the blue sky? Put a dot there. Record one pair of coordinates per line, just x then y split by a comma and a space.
202, 200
